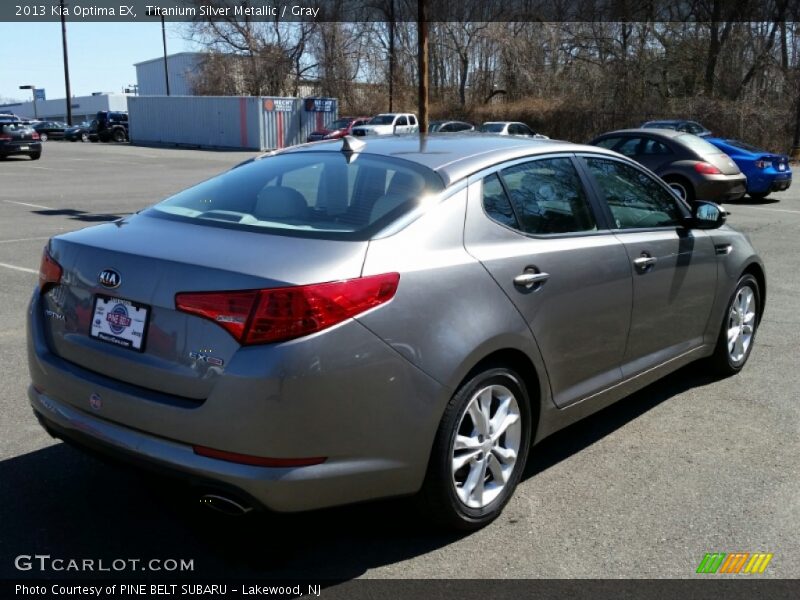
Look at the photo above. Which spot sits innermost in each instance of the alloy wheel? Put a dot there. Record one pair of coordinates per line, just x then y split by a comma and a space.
741, 324
486, 446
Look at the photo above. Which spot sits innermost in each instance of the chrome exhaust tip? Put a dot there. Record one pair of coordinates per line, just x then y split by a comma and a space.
224, 504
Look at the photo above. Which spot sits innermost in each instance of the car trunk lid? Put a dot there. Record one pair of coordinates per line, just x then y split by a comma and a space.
144, 262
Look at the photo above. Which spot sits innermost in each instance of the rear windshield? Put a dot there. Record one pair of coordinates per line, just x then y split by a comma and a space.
310, 194
341, 124
697, 144
12, 127
661, 125
744, 146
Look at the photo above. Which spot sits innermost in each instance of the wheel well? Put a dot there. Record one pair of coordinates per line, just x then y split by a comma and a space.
756, 271
522, 365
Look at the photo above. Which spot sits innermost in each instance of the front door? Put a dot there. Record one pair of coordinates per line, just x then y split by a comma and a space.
674, 268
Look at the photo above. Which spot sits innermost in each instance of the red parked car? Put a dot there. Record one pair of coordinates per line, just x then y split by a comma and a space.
339, 128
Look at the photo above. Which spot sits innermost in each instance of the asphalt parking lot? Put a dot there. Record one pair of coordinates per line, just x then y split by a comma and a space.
643, 489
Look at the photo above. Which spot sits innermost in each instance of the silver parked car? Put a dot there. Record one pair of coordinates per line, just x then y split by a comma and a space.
352, 320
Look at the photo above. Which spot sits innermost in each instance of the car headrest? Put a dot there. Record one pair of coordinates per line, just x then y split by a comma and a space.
278, 202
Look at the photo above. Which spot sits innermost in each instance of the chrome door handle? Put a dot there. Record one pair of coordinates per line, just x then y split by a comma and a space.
530, 279
644, 262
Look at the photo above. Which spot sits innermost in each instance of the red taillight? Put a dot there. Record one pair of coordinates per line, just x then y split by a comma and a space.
763, 163
257, 461
34, 136
279, 314
49, 272
706, 169
4, 137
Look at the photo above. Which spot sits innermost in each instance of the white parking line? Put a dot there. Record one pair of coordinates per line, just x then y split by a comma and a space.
16, 268
28, 204
783, 210
33, 239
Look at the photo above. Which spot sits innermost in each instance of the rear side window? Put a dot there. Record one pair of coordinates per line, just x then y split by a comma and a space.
496, 203
316, 194
636, 200
546, 197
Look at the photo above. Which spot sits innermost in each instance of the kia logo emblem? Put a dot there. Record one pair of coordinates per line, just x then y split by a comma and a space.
109, 278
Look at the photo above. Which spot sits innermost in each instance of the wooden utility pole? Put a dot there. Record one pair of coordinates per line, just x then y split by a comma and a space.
422, 41
391, 55
66, 62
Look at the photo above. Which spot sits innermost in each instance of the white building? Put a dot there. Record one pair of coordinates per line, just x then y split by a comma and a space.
181, 66
84, 108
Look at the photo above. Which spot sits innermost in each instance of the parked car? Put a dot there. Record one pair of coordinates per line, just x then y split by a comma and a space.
449, 126
78, 132
690, 165
339, 128
766, 172
387, 124
511, 128
17, 138
50, 129
109, 126
355, 319
692, 127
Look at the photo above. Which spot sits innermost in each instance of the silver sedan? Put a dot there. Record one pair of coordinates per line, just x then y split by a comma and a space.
351, 320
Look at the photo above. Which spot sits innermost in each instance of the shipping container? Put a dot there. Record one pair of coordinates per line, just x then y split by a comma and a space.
241, 122
281, 118
197, 121
316, 114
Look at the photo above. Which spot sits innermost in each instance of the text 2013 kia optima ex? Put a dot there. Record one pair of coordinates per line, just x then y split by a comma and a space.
349, 320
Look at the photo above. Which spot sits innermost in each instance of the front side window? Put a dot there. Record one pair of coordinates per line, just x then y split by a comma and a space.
636, 200
547, 196
306, 193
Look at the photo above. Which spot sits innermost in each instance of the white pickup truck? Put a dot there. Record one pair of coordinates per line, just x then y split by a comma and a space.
387, 124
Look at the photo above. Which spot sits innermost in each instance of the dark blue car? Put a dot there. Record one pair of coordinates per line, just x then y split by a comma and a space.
766, 172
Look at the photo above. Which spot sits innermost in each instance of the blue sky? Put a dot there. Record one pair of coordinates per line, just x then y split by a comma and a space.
101, 55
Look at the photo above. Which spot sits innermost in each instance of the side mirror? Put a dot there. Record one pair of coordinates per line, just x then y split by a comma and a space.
707, 215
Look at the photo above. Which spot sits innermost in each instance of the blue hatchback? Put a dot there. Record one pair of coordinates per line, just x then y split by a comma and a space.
766, 172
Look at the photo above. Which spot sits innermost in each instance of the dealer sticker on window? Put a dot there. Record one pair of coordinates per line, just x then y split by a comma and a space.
119, 322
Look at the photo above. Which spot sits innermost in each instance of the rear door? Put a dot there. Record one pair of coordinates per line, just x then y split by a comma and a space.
674, 269
536, 230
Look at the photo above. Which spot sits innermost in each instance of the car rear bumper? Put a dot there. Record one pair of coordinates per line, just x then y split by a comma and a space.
373, 420
17, 148
766, 182
721, 188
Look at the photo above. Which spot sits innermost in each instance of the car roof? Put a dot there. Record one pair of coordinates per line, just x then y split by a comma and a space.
453, 156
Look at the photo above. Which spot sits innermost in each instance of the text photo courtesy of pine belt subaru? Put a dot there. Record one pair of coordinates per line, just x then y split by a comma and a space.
350, 320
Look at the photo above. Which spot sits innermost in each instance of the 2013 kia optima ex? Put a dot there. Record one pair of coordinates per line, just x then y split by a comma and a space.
350, 320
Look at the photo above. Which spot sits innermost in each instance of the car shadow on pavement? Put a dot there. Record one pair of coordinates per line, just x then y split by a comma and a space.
60, 502
749, 200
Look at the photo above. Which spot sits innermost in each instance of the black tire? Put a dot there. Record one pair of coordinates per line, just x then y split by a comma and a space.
758, 195
682, 186
439, 499
724, 361
36, 156
118, 135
